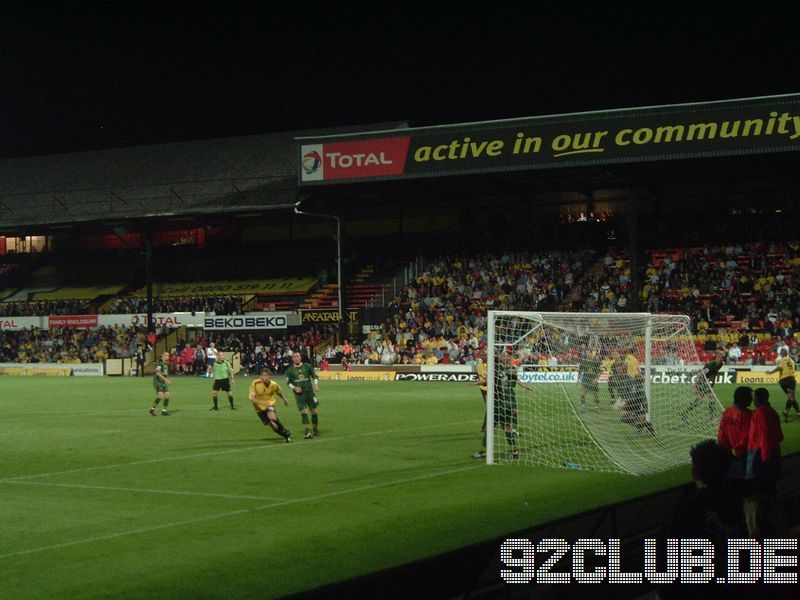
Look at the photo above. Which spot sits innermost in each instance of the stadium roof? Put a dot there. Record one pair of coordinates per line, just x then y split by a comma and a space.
227, 174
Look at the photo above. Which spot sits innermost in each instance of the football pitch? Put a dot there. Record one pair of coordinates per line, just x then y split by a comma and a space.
102, 500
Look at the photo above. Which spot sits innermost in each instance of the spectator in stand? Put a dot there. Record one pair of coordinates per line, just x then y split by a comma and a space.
785, 331
199, 360
734, 353
780, 347
211, 359
762, 509
187, 359
173, 361
140, 359
733, 436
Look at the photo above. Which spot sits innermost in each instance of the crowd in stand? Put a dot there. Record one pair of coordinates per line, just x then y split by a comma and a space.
743, 294
256, 351
69, 345
220, 305
750, 285
43, 308
440, 317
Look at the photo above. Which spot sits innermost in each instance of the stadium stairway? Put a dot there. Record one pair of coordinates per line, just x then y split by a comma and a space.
358, 292
574, 297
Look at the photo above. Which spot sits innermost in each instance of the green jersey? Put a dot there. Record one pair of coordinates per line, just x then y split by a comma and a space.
162, 367
589, 365
223, 370
301, 376
159, 384
506, 378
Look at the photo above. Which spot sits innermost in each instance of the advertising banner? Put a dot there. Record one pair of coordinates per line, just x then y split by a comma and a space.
725, 128
437, 377
356, 375
35, 371
20, 323
328, 316
76, 369
757, 378
169, 320
73, 321
252, 321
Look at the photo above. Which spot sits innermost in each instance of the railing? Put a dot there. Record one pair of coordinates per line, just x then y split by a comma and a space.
390, 289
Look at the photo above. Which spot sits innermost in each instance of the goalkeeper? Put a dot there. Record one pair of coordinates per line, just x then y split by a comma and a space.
589, 367
701, 391
505, 401
300, 376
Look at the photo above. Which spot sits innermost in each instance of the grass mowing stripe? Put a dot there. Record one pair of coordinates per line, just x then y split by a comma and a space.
120, 534
139, 490
219, 452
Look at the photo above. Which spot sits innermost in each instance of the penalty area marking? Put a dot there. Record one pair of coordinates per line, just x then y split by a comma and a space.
138, 490
120, 534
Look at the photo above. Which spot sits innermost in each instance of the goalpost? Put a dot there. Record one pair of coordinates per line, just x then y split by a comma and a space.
618, 392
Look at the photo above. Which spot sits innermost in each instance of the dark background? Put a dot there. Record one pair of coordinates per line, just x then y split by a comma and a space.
83, 78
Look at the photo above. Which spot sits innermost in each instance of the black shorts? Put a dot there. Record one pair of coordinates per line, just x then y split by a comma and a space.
589, 383
788, 384
264, 414
222, 384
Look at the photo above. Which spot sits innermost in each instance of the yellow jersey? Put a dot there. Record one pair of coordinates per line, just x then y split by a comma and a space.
632, 366
264, 393
483, 374
786, 365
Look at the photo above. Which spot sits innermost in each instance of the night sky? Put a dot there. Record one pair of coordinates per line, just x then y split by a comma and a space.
79, 79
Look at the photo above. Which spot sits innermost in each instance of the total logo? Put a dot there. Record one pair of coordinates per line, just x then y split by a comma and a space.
345, 161
353, 159
311, 162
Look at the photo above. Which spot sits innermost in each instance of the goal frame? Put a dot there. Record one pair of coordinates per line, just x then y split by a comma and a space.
491, 354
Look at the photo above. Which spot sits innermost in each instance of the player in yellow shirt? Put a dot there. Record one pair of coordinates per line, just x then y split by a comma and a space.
262, 394
483, 381
787, 381
634, 409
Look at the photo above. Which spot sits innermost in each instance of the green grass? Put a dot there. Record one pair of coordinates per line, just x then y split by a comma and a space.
102, 500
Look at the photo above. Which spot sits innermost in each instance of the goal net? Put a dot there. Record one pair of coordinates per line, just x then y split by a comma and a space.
606, 392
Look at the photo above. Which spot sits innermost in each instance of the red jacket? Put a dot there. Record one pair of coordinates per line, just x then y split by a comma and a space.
765, 432
734, 430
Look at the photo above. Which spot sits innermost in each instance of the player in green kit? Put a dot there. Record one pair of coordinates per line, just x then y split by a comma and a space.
161, 385
223, 380
589, 367
300, 378
505, 400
